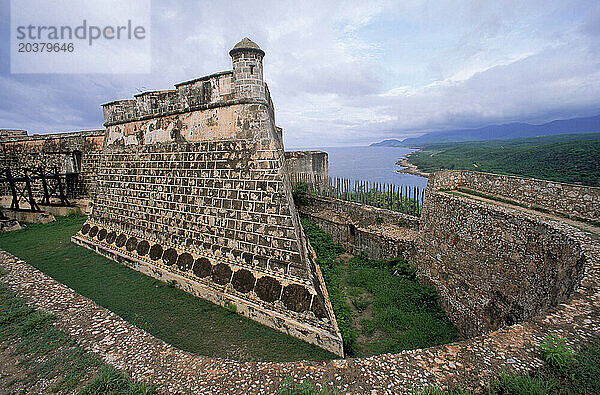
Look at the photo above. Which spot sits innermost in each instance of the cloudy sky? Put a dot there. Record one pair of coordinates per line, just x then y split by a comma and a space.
352, 72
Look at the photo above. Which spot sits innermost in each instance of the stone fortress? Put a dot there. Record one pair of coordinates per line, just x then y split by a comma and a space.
192, 185
192, 188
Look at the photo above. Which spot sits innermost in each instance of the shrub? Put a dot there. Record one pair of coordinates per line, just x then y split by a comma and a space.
111, 381
288, 387
300, 189
557, 353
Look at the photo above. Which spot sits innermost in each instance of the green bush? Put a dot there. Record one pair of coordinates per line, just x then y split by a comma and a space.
557, 353
299, 191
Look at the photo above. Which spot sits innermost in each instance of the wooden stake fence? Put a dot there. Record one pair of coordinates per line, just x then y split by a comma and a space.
402, 198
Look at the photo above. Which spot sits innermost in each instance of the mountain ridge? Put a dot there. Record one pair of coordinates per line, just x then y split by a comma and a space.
502, 131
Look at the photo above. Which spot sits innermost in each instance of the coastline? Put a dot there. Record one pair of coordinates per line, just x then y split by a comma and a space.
409, 168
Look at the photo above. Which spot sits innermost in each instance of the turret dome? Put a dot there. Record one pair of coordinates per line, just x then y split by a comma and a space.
246, 45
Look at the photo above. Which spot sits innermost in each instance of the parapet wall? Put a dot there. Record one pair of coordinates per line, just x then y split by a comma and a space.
575, 201
73, 152
493, 265
309, 166
6, 134
201, 93
380, 233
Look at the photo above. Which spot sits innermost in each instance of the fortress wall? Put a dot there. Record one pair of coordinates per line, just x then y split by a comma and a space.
6, 134
360, 214
356, 227
494, 266
308, 166
564, 199
193, 189
55, 151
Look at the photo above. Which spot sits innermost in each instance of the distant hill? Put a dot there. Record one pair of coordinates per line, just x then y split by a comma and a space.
388, 143
506, 131
573, 158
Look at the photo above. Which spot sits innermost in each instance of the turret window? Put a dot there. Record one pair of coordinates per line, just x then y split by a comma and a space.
251, 69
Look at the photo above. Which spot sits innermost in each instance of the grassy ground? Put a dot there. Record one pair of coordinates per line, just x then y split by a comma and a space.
38, 357
566, 158
183, 320
379, 305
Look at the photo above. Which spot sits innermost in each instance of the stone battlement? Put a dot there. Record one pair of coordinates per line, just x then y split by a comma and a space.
193, 188
570, 200
206, 92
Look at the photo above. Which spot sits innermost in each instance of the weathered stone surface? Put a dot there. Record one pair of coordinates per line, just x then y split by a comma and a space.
493, 265
121, 240
221, 274
296, 297
142, 248
131, 244
576, 201
73, 152
156, 252
202, 268
170, 256
354, 225
243, 281
111, 237
185, 262
200, 170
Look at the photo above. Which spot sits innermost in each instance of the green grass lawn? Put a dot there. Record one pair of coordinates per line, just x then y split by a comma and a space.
183, 320
379, 304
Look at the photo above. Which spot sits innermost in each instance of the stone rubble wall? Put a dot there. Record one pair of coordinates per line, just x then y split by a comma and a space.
54, 151
360, 214
493, 266
575, 201
356, 227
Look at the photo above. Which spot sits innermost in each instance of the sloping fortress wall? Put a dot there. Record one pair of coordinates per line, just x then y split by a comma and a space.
193, 188
492, 264
73, 152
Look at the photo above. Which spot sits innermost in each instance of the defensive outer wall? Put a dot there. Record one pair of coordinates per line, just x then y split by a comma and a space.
540, 259
193, 188
73, 152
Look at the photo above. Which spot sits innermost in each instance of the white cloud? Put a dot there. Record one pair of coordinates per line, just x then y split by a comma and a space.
359, 71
